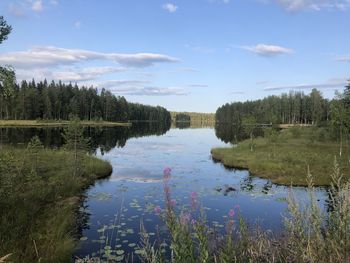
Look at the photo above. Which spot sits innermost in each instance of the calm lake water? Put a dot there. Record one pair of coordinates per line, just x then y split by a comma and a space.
113, 208
116, 206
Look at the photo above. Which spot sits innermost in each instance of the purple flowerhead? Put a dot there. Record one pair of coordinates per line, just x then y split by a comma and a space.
172, 202
231, 213
194, 195
238, 207
157, 209
167, 189
194, 200
166, 172
193, 221
185, 219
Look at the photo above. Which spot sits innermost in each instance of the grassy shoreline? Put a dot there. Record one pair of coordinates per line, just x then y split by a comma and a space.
40, 199
52, 123
286, 161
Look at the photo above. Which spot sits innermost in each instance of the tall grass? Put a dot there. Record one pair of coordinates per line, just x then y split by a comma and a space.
310, 233
39, 198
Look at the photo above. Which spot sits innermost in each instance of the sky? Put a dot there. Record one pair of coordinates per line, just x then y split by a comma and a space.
185, 55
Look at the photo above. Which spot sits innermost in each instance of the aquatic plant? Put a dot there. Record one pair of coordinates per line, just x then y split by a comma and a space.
310, 234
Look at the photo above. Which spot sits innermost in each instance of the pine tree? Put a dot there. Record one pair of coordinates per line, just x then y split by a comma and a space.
75, 142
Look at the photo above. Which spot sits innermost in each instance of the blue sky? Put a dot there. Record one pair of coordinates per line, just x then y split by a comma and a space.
185, 55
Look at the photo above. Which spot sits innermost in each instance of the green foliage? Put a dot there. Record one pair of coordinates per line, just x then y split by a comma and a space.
291, 108
7, 75
38, 206
296, 132
73, 136
76, 143
181, 117
58, 101
5, 29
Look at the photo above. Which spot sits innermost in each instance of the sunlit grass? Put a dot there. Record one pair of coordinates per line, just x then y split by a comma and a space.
286, 159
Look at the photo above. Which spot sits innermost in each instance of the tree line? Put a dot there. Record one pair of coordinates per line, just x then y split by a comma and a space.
59, 101
288, 108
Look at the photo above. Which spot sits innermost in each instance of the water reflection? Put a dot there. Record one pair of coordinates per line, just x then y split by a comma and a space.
234, 133
135, 188
103, 138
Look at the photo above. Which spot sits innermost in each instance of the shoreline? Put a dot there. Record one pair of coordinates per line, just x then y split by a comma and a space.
286, 162
34, 123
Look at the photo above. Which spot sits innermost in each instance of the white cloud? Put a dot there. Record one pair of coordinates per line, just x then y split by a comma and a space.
316, 5
268, 50
67, 75
330, 84
53, 56
171, 8
150, 91
37, 6
77, 24
119, 83
343, 58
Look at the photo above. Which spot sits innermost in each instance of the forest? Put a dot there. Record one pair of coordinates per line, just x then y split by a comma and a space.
58, 101
289, 108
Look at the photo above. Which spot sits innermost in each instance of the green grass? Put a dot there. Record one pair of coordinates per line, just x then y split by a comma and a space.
286, 160
53, 123
39, 200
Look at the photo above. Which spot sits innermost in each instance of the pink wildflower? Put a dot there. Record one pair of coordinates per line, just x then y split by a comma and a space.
185, 219
238, 207
167, 190
231, 213
157, 209
166, 172
172, 202
194, 201
194, 195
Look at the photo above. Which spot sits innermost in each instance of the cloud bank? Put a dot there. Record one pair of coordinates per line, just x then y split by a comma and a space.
150, 91
332, 83
46, 56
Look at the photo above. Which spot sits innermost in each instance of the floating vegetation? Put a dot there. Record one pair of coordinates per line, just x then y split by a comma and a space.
101, 196
281, 199
139, 251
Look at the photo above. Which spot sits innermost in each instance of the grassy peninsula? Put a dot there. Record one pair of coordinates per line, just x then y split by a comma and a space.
285, 157
40, 194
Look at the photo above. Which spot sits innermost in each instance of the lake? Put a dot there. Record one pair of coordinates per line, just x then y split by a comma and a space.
112, 209
116, 206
